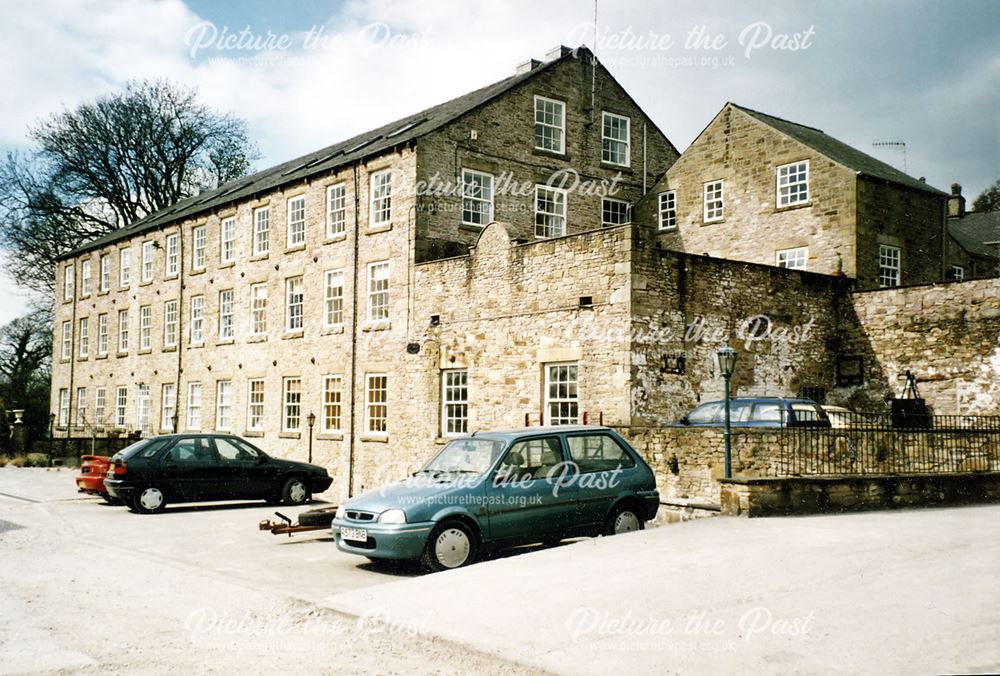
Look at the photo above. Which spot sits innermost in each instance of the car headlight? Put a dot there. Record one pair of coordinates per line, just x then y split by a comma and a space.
392, 516
339, 514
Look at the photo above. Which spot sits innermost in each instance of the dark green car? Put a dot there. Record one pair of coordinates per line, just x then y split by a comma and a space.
497, 490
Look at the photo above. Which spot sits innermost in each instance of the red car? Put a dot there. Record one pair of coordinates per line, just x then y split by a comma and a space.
93, 468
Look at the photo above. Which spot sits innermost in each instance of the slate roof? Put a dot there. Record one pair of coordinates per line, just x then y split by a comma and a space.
325, 160
840, 152
975, 229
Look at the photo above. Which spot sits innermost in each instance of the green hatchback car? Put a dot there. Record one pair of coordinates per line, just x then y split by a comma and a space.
497, 490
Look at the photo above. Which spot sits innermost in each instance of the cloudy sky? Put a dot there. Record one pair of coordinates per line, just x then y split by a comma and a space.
307, 74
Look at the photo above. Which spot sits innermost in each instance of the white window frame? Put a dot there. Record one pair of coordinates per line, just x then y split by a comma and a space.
336, 209
454, 406
142, 408
227, 240
372, 406
102, 334
377, 309
121, 406
570, 400
171, 317
84, 337
67, 340
332, 418
667, 210
146, 327
713, 201
168, 406
172, 261
606, 151
199, 243
556, 196
148, 259
63, 407
291, 404
100, 403
193, 419
85, 278
197, 320
605, 202
796, 258
333, 298
227, 323
380, 197
958, 273
123, 330
261, 231
255, 405
125, 268
258, 309
69, 282
786, 193
105, 271
476, 196
295, 299
81, 407
890, 266
224, 405
296, 230
559, 128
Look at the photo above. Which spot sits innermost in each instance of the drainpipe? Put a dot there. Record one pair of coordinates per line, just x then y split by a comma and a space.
354, 335
944, 240
180, 328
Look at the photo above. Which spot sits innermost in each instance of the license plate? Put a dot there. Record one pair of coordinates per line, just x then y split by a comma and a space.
354, 534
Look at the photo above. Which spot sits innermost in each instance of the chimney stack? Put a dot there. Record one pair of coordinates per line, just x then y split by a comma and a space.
527, 66
956, 203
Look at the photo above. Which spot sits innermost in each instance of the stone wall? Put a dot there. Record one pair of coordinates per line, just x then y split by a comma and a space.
948, 335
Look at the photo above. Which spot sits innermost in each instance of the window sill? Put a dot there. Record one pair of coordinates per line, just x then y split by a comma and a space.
195, 346
471, 227
260, 257
148, 282
252, 434
792, 207
143, 351
378, 439
197, 271
227, 264
624, 168
102, 356
672, 228
82, 357
293, 335
332, 330
120, 354
330, 436
169, 348
171, 277
381, 325
717, 221
225, 341
290, 435
104, 293
339, 237
295, 247
377, 228
542, 152
84, 296
261, 338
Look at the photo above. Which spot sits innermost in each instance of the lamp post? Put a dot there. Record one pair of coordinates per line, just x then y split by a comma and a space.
727, 364
52, 428
311, 419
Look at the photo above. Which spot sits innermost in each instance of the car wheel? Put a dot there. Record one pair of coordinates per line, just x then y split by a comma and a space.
452, 544
295, 492
623, 519
110, 500
149, 500
317, 517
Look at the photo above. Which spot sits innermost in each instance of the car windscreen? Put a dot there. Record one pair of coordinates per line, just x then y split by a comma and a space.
145, 448
466, 456
705, 413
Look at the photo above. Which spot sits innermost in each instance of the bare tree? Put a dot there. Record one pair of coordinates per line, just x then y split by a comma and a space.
108, 163
25, 363
989, 199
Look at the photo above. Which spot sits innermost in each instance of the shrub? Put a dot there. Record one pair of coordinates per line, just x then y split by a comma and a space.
3, 460
18, 461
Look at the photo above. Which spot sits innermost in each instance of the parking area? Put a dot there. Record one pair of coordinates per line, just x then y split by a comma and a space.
91, 587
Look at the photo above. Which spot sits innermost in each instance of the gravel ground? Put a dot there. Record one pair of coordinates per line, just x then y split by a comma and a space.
91, 589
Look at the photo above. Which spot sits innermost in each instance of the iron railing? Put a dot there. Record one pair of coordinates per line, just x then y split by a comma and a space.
859, 443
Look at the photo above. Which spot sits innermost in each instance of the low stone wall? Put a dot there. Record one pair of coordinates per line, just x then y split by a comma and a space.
754, 497
689, 461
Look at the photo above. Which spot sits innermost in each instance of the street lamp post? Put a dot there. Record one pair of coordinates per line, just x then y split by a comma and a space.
311, 419
52, 428
727, 364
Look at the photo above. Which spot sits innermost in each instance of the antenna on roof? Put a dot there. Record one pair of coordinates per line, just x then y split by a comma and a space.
593, 67
901, 145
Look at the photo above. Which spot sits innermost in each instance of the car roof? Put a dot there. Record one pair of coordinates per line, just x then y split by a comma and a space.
735, 400
534, 431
